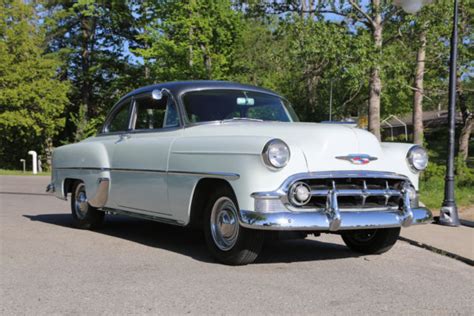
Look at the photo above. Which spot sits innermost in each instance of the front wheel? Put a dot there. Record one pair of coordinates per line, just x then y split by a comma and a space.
371, 241
84, 216
227, 241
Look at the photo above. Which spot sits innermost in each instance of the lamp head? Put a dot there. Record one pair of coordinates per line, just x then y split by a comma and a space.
411, 6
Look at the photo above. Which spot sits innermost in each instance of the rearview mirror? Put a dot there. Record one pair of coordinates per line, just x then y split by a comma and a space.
245, 101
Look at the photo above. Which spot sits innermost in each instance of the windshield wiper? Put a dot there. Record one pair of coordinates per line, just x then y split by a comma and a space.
241, 119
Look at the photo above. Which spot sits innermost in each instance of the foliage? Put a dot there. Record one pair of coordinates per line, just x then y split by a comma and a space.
90, 37
432, 194
432, 184
32, 99
64, 63
191, 39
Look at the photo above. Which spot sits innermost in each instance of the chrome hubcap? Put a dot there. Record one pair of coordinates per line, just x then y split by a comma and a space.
80, 203
224, 224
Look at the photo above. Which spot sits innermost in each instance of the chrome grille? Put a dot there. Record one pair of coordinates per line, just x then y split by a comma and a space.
357, 193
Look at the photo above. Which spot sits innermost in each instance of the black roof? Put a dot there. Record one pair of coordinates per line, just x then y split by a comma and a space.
180, 87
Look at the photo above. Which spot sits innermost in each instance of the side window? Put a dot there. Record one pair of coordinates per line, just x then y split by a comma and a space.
119, 121
155, 114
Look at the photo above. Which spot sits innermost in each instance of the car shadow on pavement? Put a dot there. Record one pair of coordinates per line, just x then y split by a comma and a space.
189, 242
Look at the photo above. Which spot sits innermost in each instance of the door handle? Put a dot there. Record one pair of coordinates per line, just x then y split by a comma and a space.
122, 138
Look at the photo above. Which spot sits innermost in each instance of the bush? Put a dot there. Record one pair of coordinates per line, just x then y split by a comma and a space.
465, 175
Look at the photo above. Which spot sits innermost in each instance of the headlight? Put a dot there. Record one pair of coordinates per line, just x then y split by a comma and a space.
276, 154
417, 158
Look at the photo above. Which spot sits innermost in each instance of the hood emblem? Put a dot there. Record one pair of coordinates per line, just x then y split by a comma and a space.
358, 159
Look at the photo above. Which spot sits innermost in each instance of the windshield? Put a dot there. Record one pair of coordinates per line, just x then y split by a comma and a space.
219, 105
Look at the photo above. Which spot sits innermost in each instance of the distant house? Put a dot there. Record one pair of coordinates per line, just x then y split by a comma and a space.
395, 126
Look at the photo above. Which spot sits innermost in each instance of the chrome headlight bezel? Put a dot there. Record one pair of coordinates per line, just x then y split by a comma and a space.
272, 147
417, 158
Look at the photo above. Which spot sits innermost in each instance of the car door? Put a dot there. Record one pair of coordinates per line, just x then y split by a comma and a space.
140, 157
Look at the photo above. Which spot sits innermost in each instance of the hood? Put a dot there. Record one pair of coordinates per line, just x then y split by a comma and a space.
321, 143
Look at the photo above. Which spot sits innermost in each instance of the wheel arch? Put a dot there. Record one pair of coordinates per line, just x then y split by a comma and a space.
200, 196
68, 185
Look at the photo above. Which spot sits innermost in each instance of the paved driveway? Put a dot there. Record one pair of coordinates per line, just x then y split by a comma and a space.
138, 267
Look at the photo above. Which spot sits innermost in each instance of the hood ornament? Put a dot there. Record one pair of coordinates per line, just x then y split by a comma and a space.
358, 159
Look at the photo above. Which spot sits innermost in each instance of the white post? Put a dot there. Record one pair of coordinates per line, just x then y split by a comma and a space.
35, 160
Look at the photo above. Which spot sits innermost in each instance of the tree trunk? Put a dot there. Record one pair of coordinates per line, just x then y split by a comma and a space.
207, 61
375, 81
418, 95
87, 29
304, 8
192, 4
467, 115
464, 137
468, 122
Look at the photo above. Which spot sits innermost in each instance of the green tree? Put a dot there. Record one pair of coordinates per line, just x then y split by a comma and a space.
92, 37
32, 99
190, 39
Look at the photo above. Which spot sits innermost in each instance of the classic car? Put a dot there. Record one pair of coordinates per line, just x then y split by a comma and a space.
234, 160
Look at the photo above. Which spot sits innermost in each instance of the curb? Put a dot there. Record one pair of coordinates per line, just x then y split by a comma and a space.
463, 222
467, 223
438, 251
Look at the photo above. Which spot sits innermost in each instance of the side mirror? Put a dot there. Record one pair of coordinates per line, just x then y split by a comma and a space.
157, 94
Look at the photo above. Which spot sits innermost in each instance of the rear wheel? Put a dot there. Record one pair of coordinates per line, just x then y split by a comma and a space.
371, 241
83, 214
227, 241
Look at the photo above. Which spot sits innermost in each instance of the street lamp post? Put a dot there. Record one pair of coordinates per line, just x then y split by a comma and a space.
449, 212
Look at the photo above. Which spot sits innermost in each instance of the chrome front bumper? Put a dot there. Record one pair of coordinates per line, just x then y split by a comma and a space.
274, 211
321, 221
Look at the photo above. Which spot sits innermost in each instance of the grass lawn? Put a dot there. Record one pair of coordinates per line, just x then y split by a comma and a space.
5, 172
432, 195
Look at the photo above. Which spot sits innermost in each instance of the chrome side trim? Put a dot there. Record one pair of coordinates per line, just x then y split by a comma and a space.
143, 216
101, 195
224, 175
82, 168
137, 170
214, 153
319, 221
142, 210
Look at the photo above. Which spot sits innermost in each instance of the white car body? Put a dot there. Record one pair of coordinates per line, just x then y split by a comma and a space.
156, 174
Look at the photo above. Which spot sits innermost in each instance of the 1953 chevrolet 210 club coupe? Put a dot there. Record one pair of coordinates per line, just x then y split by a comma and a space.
233, 160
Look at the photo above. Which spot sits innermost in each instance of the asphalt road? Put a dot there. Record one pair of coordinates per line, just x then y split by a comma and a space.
138, 267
